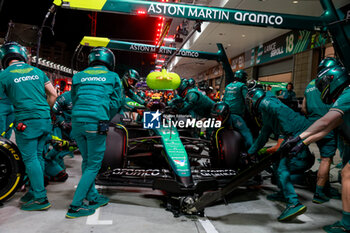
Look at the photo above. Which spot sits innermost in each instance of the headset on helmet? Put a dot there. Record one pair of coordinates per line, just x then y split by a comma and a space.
253, 99
12, 51
132, 74
102, 56
241, 76
328, 62
183, 86
220, 111
331, 82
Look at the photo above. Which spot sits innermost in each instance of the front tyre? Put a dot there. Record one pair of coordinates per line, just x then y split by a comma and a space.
11, 169
227, 149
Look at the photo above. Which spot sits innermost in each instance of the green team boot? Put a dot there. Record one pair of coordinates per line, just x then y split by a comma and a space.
292, 211
337, 227
99, 202
320, 198
79, 211
27, 197
36, 204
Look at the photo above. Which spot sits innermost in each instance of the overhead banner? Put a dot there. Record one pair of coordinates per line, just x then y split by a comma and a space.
196, 12
287, 45
145, 48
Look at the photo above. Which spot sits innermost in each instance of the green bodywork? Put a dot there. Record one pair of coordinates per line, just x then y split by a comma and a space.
133, 104
176, 154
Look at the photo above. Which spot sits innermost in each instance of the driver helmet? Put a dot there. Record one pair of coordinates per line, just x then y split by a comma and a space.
12, 51
331, 83
328, 62
132, 77
102, 56
183, 87
220, 111
241, 76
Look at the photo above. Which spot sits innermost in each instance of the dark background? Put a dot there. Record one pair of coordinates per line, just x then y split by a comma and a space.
72, 25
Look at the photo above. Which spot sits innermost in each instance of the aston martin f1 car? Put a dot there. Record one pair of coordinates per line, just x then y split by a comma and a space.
175, 160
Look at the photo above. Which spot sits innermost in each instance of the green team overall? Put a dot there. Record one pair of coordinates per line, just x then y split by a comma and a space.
97, 97
63, 119
6, 115
63, 113
277, 117
314, 109
31, 94
129, 80
235, 94
54, 163
333, 83
194, 100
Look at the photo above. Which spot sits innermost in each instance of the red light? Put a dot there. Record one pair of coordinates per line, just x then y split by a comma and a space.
141, 12
159, 24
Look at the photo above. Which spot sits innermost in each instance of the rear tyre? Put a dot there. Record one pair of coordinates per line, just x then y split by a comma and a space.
11, 169
228, 147
116, 145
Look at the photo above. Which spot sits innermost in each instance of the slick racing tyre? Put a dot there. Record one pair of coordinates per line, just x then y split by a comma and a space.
228, 146
116, 146
11, 169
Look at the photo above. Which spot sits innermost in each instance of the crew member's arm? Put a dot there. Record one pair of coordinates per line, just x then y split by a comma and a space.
190, 102
132, 95
50, 93
322, 126
261, 140
58, 109
117, 99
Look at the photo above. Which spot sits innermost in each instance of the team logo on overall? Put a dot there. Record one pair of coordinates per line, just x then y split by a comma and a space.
151, 120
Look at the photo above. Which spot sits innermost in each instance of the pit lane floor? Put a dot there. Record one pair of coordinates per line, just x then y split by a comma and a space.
139, 210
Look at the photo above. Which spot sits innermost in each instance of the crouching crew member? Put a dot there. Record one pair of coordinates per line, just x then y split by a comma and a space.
279, 118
